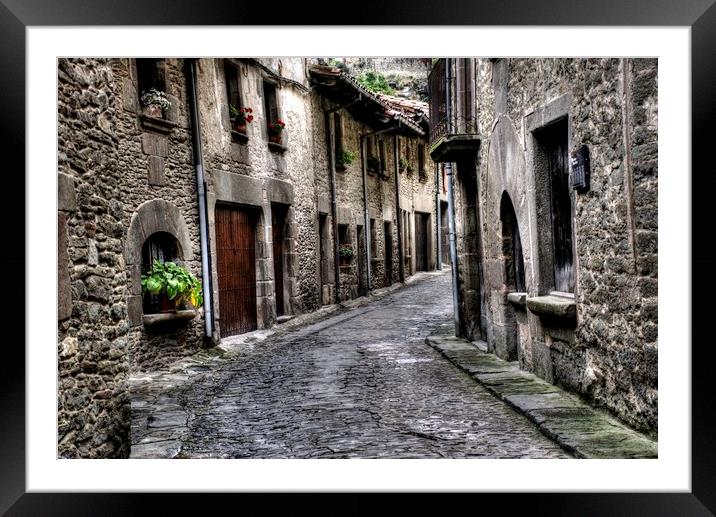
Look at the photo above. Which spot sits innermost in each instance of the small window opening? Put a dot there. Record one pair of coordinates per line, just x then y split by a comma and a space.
163, 247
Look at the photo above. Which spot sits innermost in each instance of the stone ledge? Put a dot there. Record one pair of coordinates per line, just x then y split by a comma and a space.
158, 125
519, 299
277, 148
168, 317
239, 138
553, 306
564, 418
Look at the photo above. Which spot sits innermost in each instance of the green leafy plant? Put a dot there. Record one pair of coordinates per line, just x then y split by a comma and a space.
337, 63
375, 82
155, 97
173, 280
345, 157
346, 252
403, 164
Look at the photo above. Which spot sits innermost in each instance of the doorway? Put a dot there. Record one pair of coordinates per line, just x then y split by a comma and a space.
421, 241
236, 269
388, 235
278, 225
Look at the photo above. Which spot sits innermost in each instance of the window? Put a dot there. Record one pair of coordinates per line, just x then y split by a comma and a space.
381, 156
344, 236
151, 74
372, 162
373, 240
270, 103
511, 247
466, 96
161, 246
337, 133
233, 85
421, 162
555, 209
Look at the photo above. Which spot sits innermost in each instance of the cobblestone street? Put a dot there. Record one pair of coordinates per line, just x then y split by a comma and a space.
362, 383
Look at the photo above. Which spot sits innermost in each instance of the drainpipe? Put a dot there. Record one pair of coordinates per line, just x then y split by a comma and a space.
201, 194
438, 236
330, 131
401, 267
364, 160
451, 206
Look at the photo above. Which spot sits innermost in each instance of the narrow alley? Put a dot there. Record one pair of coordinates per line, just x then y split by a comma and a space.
362, 383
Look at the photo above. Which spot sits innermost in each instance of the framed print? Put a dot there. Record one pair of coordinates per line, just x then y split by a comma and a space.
302, 205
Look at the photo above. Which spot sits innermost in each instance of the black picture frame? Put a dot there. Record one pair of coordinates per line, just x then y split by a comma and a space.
699, 15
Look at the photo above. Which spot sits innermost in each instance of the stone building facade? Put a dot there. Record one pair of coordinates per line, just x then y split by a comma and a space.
557, 273
127, 194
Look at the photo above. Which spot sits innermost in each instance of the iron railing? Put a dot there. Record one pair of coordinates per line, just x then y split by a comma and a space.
463, 119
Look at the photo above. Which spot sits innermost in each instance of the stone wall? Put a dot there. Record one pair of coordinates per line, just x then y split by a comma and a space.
124, 177
157, 167
241, 170
93, 403
609, 354
121, 179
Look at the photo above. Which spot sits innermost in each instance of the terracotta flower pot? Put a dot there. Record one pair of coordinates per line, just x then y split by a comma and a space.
275, 137
239, 127
153, 110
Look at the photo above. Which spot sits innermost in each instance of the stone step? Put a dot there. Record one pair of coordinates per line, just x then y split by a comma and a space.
563, 417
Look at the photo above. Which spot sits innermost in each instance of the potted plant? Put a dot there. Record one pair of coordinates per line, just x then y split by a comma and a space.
345, 254
275, 129
373, 163
154, 103
171, 283
345, 157
403, 164
240, 117
409, 169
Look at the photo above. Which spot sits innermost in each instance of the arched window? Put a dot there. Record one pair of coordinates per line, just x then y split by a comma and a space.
161, 246
512, 247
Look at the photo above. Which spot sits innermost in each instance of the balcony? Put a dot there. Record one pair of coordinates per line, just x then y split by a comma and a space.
453, 115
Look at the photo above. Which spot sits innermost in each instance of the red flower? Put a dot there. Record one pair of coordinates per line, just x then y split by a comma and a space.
249, 118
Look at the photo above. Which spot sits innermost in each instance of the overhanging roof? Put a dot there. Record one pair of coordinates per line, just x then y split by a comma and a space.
332, 83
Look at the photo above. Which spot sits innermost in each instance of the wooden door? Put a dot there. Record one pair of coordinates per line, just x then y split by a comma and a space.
444, 233
277, 223
236, 269
561, 204
421, 241
388, 235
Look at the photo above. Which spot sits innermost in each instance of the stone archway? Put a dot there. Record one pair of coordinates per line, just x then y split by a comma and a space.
150, 218
506, 179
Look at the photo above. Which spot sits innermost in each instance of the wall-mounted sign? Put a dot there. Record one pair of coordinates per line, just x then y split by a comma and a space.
579, 166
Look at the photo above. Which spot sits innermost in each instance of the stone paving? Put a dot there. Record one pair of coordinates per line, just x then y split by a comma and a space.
360, 383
